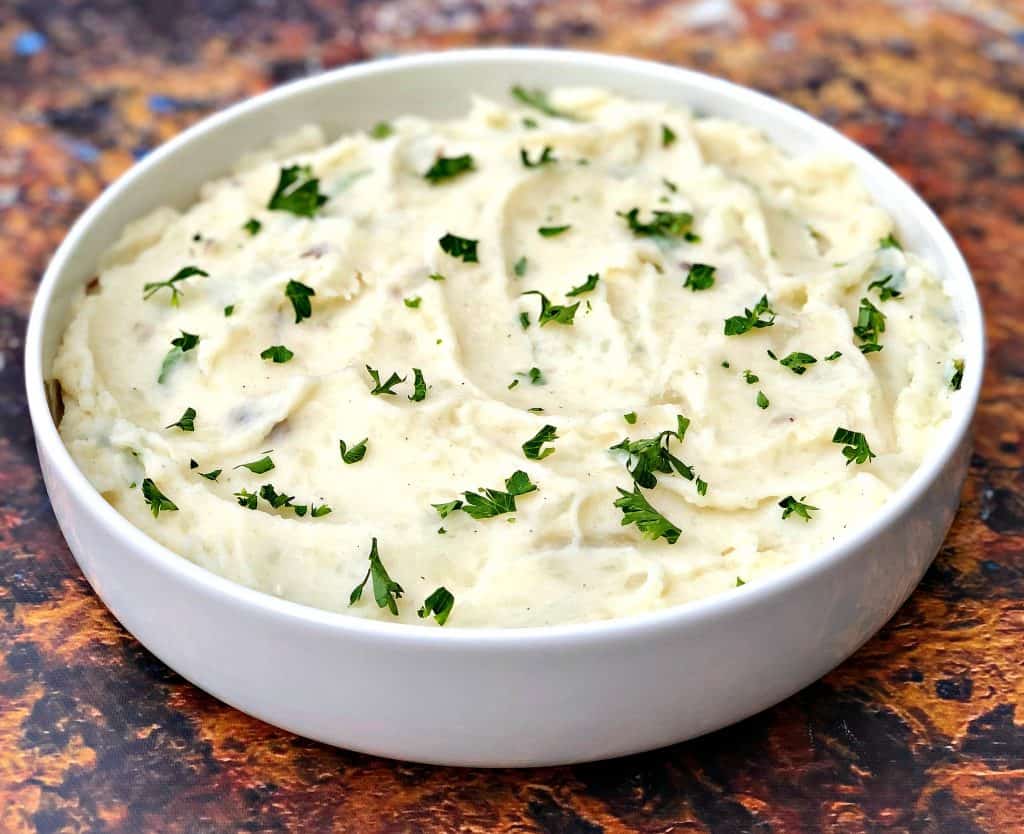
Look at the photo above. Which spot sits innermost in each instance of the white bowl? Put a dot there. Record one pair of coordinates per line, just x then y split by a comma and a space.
492, 697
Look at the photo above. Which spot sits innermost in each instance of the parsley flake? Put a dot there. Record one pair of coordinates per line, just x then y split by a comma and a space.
419, 386
299, 294
700, 277
180, 346
857, 449
668, 136
491, 502
532, 447
355, 454
636, 509
538, 100
279, 354
381, 130
187, 421
436, 276
648, 455
750, 378
449, 167
229, 311
558, 313
524, 320
552, 231
833, 356
520, 267
440, 604
212, 475
885, 292
171, 284
413, 302
957, 379
665, 224
587, 286
797, 362
297, 192
737, 325
252, 226
158, 502
762, 400
383, 388
790, 506
258, 467
545, 158
246, 499
870, 323
630, 417
386, 592
460, 247
889, 242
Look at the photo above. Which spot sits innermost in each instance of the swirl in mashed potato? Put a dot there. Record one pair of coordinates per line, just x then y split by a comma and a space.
459, 249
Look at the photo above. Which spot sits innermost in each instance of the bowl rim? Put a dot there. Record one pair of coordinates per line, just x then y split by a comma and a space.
719, 606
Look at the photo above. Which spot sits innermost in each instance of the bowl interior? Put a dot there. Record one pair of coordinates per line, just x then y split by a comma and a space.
440, 86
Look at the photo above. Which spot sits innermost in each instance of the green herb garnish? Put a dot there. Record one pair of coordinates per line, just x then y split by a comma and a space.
449, 167
229, 311
700, 277
180, 346
299, 294
762, 401
552, 231
386, 592
630, 417
857, 449
648, 455
532, 447
797, 362
252, 226
538, 100
246, 499
436, 276
460, 247
737, 325
957, 379
668, 136
212, 475
889, 242
520, 267
833, 356
413, 302
439, 603
558, 313
491, 502
447, 508
667, 224
870, 323
171, 283
187, 421
279, 354
419, 386
587, 286
258, 467
385, 388
381, 130
885, 292
158, 502
545, 158
355, 454
636, 509
790, 506
750, 378
297, 192
524, 320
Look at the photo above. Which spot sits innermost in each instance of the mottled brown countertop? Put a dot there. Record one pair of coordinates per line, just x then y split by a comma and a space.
920, 731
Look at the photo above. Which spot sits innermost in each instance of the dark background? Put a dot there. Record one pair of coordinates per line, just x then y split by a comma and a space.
921, 731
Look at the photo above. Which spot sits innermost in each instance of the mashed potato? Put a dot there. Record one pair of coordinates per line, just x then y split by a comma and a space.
568, 358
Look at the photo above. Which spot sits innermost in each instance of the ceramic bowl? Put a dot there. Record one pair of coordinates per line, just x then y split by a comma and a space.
493, 697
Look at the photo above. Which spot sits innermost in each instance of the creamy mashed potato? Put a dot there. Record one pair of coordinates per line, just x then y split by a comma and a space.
573, 270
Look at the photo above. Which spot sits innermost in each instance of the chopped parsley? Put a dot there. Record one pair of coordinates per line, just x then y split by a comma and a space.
318, 512
171, 283
532, 447
750, 378
762, 400
552, 231
276, 499
538, 100
856, 449
751, 319
187, 421
636, 509
179, 347
436, 276
355, 454
529, 123
158, 502
671, 186
797, 362
460, 247
700, 277
491, 502
957, 379
666, 224
558, 313
668, 136
790, 506
279, 354
297, 192
386, 592
449, 167
524, 320
212, 475
740, 582
439, 603
383, 388
545, 158
870, 323
246, 499
513, 384
299, 294
535, 375
413, 302
258, 467
587, 286
833, 356
419, 386
889, 242
252, 226
229, 311
885, 292
630, 417
648, 455
381, 130
519, 268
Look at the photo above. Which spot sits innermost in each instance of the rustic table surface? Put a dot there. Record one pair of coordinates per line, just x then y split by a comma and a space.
920, 731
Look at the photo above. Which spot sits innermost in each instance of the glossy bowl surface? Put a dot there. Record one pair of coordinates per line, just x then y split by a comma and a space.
493, 697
